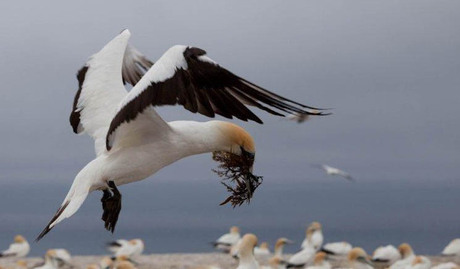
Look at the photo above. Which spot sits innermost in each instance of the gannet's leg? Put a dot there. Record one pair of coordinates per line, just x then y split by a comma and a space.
111, 204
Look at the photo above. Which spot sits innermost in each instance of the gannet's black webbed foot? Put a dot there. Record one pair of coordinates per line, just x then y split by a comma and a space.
111, 204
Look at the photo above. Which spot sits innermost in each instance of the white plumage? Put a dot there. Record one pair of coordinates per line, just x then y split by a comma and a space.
446, 265
133, 142
226, 241
246, 253
336, 172
387, 254
303, 257
453, 248
19, 248
337, 248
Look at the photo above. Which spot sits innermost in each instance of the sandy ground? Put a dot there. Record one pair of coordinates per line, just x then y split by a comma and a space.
187, 261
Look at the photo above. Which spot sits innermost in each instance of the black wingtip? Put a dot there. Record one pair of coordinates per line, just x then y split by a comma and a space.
48, 228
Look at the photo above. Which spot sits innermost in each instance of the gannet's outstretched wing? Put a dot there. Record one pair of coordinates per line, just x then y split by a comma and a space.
186, 76
101, 89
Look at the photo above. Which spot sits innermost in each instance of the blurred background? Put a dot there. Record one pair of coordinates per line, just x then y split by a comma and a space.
389, 69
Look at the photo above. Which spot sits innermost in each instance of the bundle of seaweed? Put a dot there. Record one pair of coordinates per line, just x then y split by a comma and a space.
237, 176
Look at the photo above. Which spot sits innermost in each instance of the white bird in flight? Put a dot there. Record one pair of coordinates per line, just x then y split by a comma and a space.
133, 142
335, 172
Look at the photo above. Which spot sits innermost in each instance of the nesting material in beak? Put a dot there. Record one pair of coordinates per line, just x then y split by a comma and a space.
236, 172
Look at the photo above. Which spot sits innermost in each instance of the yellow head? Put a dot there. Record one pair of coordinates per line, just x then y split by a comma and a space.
405, 249
319, 258
50, 253
357, 254
234, 230
275, 261
19, 239
417, 260
21, 263
314, 226
235, 138
248, 242
264, 245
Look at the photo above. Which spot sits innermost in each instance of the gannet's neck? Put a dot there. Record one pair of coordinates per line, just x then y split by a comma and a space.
193, 137
247, 260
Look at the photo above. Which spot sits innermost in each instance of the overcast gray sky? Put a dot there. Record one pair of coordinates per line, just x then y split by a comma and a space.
390, 69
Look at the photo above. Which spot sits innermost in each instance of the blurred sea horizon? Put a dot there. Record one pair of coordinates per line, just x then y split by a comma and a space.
185, 216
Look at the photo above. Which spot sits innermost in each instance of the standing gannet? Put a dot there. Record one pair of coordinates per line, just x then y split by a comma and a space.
337, 248
19, 248
131, 248
302, 258
50, 260
453, 248
279, 246
262, 251
407, 257
320, 262
420, 262
275, 262
446, 265
133, 142
226, 241
335, 172
358, 259
246, 252
386, 254
314, 236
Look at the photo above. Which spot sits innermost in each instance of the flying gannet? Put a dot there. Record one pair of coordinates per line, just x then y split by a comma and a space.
19, 248
133, 142
336, 172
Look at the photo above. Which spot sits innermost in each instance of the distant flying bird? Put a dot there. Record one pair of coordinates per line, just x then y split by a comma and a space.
226, 241
246, 252
19, 248
358, 259
453, 248
314, 236
336, 172
133, 142
386, 254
